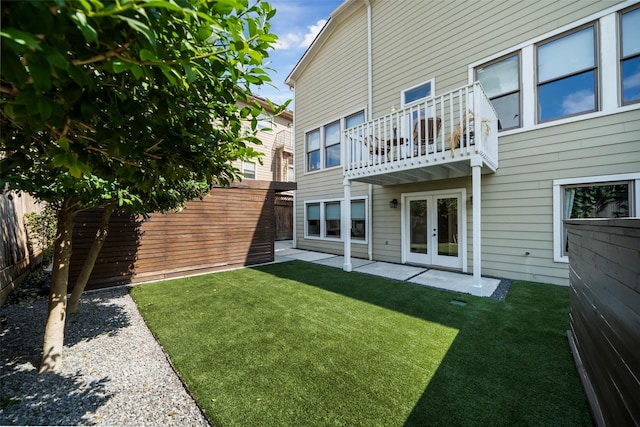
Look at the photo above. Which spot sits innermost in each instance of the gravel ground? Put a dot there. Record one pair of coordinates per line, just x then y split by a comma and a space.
114, 372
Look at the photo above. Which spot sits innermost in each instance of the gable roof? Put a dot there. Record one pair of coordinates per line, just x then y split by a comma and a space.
336, 17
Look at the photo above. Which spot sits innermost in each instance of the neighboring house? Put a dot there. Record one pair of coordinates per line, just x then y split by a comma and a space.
463, 133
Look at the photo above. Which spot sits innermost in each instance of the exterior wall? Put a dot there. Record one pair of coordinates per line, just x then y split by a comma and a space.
15, 256
441, 40
605, 310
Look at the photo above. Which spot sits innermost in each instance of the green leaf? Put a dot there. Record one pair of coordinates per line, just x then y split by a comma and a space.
63, 142
120, 66
55, 58
147, 55
141, 28
137, 71
41, 74
45, 107
13, 70
89, 33
21, 37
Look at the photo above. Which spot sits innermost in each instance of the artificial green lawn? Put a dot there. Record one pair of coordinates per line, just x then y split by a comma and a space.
297, 344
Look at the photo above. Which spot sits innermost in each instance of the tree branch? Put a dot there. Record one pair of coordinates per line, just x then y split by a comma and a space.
103, 56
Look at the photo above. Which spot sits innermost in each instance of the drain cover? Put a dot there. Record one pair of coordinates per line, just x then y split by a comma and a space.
458, 302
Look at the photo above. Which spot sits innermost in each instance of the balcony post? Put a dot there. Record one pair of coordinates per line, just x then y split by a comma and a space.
476, 169
345, 216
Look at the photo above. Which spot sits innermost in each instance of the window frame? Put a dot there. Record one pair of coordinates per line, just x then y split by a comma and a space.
431, 82
518, 55
558, 203
623, 58
323, 143
323, 221
595, 69
245, 163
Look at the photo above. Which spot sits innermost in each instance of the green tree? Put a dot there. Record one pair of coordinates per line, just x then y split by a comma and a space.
128, 104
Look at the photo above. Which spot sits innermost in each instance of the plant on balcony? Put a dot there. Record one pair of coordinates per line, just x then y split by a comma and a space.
460, 132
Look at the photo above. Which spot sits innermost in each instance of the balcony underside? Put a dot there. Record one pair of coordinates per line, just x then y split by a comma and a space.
418, 170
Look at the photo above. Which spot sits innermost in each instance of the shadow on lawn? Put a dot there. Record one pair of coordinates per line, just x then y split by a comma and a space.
509, 364
66, 398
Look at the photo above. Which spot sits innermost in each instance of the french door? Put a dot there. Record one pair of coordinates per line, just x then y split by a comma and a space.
432, 229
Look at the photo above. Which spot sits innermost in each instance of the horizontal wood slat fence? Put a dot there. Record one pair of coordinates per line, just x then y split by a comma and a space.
604, 274
230, 227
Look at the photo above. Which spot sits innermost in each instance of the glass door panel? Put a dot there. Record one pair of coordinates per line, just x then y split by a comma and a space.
418, 231
448, 226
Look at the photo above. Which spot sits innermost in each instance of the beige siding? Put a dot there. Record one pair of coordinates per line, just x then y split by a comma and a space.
431, 39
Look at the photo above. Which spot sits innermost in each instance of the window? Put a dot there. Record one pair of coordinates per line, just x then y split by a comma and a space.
323, 220
249, 170
313, 150
417, 93
265, 122
630, 56
599, 197
358, 220
332, 219
323, 144
332, 145
501, 82
313, 219
567, 75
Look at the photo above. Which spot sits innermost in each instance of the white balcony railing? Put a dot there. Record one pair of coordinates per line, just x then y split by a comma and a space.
440, 131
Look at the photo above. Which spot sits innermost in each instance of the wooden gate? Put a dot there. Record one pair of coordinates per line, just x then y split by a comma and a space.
284, 216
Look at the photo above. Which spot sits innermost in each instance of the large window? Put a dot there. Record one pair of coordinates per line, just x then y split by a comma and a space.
567, 75
501, 82
323, 144
597, 197
630, 55
313, 219
323, 220
313, 150
332, 145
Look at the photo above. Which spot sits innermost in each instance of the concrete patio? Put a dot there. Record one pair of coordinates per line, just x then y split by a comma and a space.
451, 281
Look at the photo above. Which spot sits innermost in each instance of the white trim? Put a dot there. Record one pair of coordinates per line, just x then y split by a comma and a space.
322, 203
557, 203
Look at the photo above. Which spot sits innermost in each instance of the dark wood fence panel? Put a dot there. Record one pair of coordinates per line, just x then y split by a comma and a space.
231, 227
604, 277
284, 217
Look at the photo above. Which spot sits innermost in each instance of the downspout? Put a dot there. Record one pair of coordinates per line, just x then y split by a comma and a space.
369, 116
295, 174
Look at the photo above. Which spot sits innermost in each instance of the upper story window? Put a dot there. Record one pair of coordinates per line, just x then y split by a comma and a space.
323, 149
501, 82
313, 150
417, 93
249, 170
567, 75
630, 55
265, 122
332, 145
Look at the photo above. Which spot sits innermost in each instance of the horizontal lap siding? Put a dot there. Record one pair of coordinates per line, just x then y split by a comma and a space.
228, 228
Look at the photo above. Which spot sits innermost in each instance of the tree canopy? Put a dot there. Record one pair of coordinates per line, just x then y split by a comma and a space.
127, 104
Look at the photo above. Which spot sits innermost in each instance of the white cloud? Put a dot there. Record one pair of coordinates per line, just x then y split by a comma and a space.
578, 102
288, 41
310, 36
632, 81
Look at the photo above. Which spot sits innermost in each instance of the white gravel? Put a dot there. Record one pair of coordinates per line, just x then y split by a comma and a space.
114, 372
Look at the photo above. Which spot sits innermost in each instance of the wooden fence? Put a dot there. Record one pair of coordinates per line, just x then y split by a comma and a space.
231, 227
604, 277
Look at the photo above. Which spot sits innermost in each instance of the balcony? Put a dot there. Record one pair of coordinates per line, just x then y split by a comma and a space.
442, 137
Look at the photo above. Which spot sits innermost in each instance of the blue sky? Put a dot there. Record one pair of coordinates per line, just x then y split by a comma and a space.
296, 24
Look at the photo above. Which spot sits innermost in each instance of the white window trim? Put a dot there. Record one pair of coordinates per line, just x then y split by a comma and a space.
558, 217
608, 70
255, 169
432, 81
323, 230
342, 119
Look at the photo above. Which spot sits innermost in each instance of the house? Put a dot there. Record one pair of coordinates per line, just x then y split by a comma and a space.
230, 227
462, 134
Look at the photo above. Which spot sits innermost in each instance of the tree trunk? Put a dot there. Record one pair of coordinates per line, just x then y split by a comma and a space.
54, 330
90, 261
